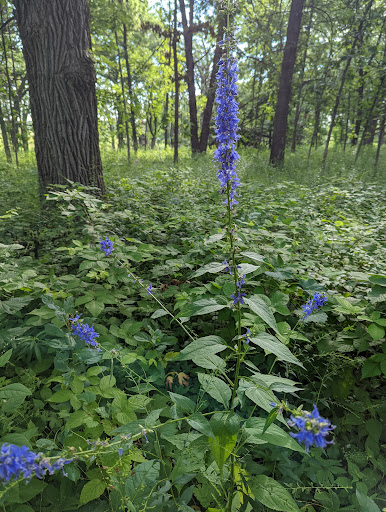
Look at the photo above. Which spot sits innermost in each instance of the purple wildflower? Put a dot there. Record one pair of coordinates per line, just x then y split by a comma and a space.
227, 267
227, 127
84, 332
313, 304
16, 461
106, 246
148, 289
238, 298
312, 428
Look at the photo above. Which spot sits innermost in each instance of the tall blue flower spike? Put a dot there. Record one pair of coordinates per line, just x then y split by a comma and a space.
227, 127
107, 246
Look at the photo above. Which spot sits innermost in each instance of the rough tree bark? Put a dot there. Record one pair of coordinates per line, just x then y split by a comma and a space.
4, 134
284, 94
56, 44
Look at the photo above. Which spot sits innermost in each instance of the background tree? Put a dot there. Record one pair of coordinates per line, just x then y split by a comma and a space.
56, 46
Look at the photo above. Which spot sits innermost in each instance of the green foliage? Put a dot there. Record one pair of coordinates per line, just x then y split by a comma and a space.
152, 380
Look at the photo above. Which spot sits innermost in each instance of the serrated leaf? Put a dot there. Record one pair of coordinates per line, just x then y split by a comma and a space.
184, 402
95, 307
378, 279
211, 268
366, 504
63, 395
260, 308
216, 388
5, 357
201, 424
273, 495
92, 490
271, 344
376, 331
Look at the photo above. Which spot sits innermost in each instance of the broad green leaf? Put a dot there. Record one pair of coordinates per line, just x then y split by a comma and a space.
201, 307
366, 504
61, 396
246, 268
254, 256
254, 429
216, 388
184, 402
158, 313
376, 332
209, 361
15, 390
140, 485
261, 309
95, 307
212, 268
92, 490
201, 424
378, 279
371, 368
271, 344
272, 494
107, 382
221, 448
5, 357
206, 345
76, 419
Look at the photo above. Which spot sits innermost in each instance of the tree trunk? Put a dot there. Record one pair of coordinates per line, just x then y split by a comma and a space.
301, 78
14, 140
4, 134
204, 136
188, 39
176, 85
131, 95
380, 140
123, 99
284, 94
60, 71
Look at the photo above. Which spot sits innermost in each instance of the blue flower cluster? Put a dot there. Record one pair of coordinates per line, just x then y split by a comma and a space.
84, 332
312, 428
107, 246
313, 304
239, 297
227, 126
16, 461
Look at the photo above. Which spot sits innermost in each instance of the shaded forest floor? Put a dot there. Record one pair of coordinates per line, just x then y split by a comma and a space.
319, 233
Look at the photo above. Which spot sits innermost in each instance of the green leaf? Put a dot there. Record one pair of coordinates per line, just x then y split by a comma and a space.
139, 486
376, 332
271, 344
378, 279
270, 418
76, 419
202, 352
184, 402
279, 301
221, 448
246, 268
261, 309
95, 307
254, 429
158, 313
107, 382
366, 504
212, 268
271, 494
15, 390
63, 395
216, 388
254, 256
201, 307
5, 357
92, 490
201, 424
371, 368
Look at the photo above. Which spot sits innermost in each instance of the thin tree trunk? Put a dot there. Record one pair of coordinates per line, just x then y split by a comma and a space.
343, 78
4, 134
188, 39
284, 93
131, 95
301, 78
124, 104
207, 116
61, 76
176, 85
11, 106
380, 140
347, 122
